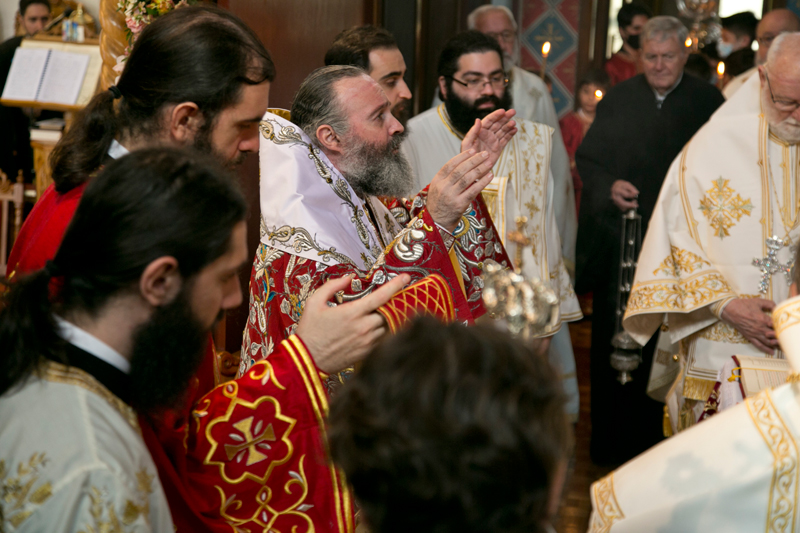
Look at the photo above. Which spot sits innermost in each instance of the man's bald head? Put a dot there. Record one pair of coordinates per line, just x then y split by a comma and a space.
773, 24
780, 87
784, 55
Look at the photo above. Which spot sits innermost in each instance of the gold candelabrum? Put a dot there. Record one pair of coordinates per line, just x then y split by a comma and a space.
529, 307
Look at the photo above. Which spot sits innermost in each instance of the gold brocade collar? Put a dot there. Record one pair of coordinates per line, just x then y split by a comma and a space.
446, 120
70, 375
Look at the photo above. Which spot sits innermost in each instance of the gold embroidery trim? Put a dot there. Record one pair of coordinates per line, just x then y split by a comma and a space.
721, 332
786, 316
681, 296
305, 365
784, 486
58, 373
606, 507
680, 262
687, 206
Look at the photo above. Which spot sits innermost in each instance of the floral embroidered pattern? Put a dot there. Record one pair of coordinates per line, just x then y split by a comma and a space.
722, 208
265, 515
20, 493
680, 262
722, 332
682, 296
105, 517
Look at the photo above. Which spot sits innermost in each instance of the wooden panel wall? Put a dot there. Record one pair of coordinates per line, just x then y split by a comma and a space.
297, 33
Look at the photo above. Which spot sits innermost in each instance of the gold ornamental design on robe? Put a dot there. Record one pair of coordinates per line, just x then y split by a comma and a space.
781, 514
606, 507
22, 489
680, 262
685, 295
724, 207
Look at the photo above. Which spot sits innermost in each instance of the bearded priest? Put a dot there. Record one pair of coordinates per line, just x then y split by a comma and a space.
473, 84
717, 253
737, 472
332, 179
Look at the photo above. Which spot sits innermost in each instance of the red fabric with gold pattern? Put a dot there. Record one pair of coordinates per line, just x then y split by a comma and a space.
256, 458
280, 282
429, 296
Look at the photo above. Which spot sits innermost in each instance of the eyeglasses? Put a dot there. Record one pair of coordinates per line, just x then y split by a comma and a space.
781, 105
507, 36
766, 40
498, 81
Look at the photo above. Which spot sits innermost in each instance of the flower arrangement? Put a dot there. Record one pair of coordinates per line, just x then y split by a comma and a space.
138, 14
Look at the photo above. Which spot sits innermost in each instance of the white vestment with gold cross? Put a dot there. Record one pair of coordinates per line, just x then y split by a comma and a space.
737, 472
732, 188
523, 186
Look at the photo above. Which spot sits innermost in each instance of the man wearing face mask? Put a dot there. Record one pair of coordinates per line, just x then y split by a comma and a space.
772, 24
738, 33
631, 19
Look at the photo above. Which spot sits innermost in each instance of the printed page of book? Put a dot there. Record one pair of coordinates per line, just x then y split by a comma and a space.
93, 70
759, 373
25, 74
63, 77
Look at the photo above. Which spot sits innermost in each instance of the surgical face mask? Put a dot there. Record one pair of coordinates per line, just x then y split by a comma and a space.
724, 49
633, 41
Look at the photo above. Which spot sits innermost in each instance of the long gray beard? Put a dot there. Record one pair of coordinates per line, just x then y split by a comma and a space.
377, 171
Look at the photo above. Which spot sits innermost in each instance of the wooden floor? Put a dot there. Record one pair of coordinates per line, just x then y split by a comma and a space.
573, 516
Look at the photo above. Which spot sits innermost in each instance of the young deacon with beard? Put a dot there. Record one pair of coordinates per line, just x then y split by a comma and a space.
88, 344
473, 84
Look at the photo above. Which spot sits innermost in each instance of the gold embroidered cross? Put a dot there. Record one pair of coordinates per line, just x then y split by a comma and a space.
250, 442
722, 208
521, 239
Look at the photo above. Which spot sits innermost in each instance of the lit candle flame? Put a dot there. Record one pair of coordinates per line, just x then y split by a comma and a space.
546, 48
721, 68
688, 42
598, 94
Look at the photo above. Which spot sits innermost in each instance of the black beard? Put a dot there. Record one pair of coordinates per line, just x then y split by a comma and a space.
374, 170
202, 143
462, 114
167, 351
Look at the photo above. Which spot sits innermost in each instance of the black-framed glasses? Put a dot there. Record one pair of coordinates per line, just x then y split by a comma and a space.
781, 105
498, 81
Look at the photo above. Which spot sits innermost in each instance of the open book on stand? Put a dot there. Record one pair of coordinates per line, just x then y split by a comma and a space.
46, 72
